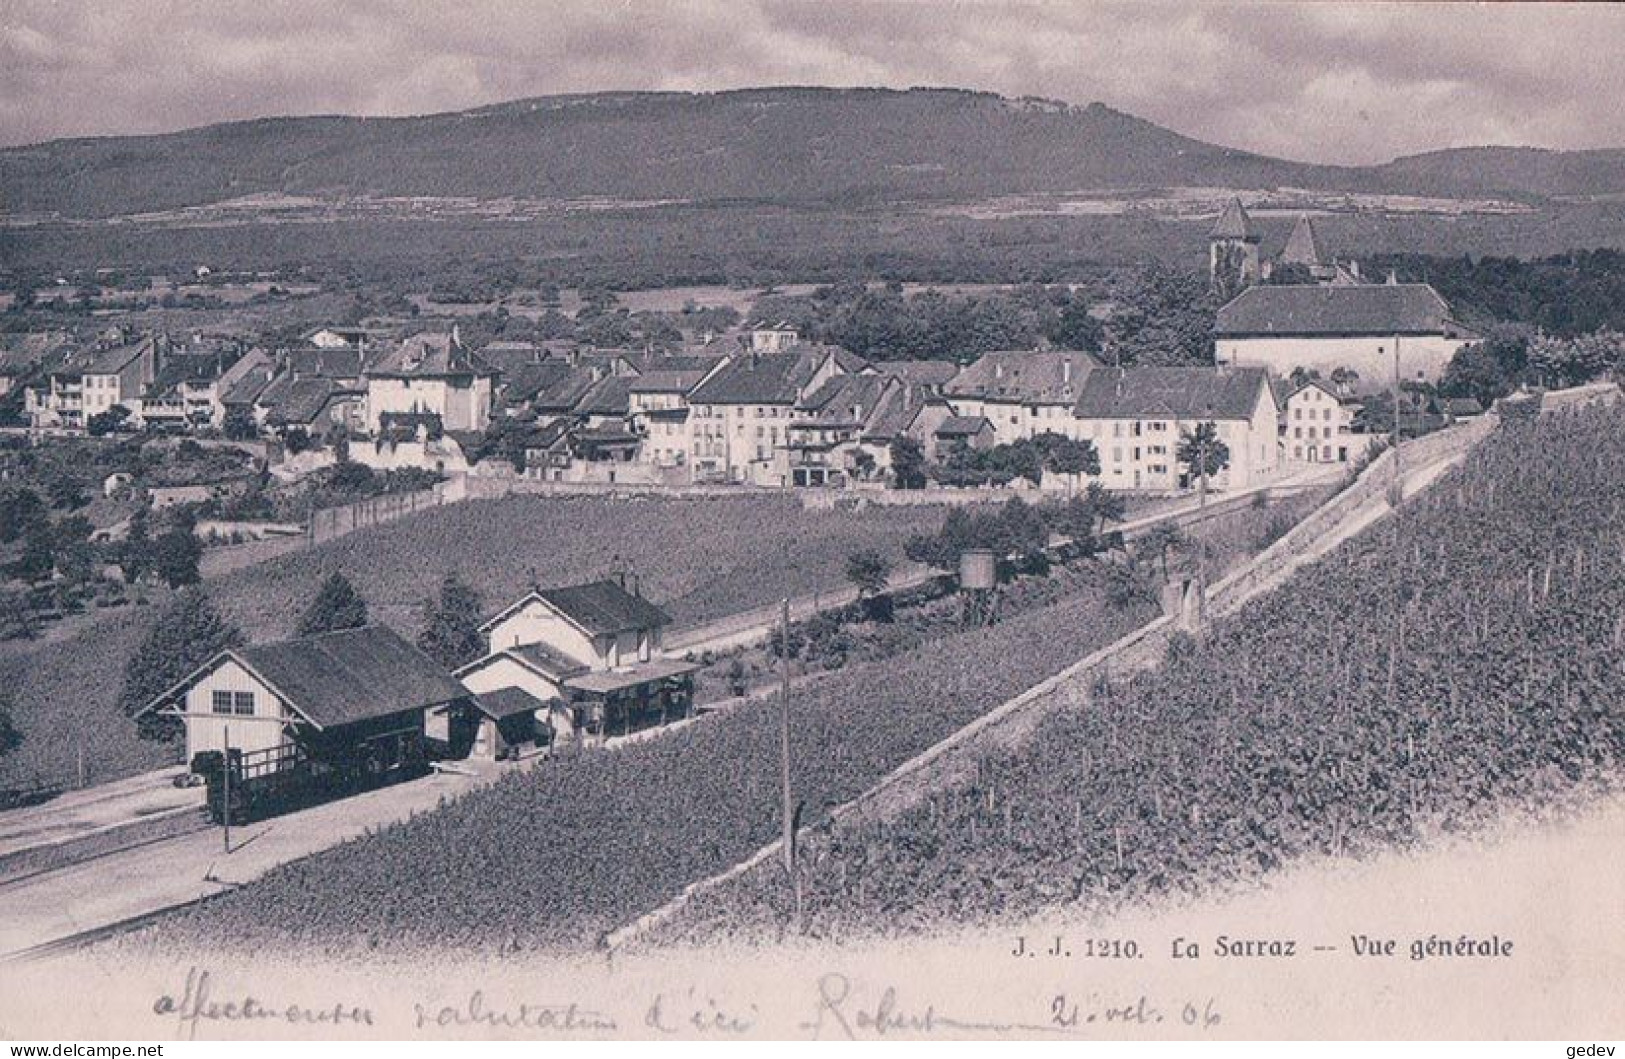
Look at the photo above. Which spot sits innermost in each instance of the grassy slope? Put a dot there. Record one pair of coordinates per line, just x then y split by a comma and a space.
700, 559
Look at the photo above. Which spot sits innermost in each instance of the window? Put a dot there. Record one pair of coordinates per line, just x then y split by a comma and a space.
222, 702
1327, 414
1297, 432
1327, 452
1297, 413
243, 703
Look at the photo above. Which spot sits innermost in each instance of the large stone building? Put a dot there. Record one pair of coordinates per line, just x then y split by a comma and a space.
1367, 328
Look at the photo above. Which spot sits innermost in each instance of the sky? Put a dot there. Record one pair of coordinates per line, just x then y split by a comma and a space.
1321, 82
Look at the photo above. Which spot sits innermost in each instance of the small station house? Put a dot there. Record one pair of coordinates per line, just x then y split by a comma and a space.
584, 660
319, 711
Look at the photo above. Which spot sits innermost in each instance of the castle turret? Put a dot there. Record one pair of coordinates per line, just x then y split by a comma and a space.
1233, 251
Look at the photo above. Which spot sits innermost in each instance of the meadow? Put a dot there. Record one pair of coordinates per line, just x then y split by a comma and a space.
700, 559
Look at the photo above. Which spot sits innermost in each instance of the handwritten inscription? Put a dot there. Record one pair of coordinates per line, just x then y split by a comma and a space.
197, 1004
567, 1018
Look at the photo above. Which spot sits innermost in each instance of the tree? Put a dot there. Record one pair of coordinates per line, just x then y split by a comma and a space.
1202, 454
175, 556
1490, 369
10, 737
1107, 505
1163, 319
1285, 273
295, 440
868, 571
1302, 376
108, 422
190, 633
1018, 530
907, 464
451, 624
1560, 362
337, 606
1158, 541
1063, 455
239, 425
20, 509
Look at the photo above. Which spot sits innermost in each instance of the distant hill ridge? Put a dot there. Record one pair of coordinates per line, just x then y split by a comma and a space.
793, 145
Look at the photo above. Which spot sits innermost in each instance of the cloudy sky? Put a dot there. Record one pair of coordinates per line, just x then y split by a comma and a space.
1321, 82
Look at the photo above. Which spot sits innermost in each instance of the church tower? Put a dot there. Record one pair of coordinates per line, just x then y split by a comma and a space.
1233, 252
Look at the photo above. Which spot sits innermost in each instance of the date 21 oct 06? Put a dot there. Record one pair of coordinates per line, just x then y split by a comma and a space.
1086, 948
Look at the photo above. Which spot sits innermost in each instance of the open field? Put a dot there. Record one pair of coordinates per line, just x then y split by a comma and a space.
1453, 661
699, 559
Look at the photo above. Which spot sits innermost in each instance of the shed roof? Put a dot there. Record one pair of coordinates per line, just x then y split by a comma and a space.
506, 702
606, 681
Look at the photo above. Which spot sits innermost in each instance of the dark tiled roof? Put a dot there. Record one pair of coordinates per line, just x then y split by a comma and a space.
1027, 376
607, 397
1234, 223
318, 363
962, 426
768, 378
604, 607
354, 675
564, 392
299, 401
1185, 393
523, 382
105, 360
1316, 309
247, 387
433, 354
506, 702
845, 400
662, 379
509, 357
919, 372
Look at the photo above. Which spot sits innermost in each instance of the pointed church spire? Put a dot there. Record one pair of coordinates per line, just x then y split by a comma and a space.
1302, 246
1234, 223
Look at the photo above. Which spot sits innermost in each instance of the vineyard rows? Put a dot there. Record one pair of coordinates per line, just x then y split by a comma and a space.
1466, 655
557, 856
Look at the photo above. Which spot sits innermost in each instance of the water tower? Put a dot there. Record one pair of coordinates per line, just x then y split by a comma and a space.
979, 587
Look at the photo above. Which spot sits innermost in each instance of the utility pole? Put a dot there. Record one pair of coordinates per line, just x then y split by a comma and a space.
788, 807
225, 784
1397, 487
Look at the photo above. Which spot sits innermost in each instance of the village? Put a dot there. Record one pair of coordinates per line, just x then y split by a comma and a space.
1294, 364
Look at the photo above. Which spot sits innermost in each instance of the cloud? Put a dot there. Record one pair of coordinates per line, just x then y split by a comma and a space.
1321, 82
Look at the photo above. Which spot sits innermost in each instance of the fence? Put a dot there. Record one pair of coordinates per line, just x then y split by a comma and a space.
330, 523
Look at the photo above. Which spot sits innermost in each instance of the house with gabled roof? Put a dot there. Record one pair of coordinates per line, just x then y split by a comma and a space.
1136, 417
86, 381
740, 414
1369, 328
1317, 424
432, 373
588, 655
1023, 393
328, 697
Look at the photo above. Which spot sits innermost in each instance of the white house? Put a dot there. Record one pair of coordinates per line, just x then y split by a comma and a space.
581, 658
739, 416
430, 374
1023, 393
1136, 418
1317, 426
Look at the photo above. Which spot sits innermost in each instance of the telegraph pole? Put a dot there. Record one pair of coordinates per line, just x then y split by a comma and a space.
784, 739
1398, 486
225, 785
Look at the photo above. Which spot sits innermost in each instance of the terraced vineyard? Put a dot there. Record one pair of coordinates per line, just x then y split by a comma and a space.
700, 559
1463, 656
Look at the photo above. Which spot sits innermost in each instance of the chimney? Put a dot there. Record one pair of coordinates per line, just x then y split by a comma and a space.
456, 336
1066, 371
998, 370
